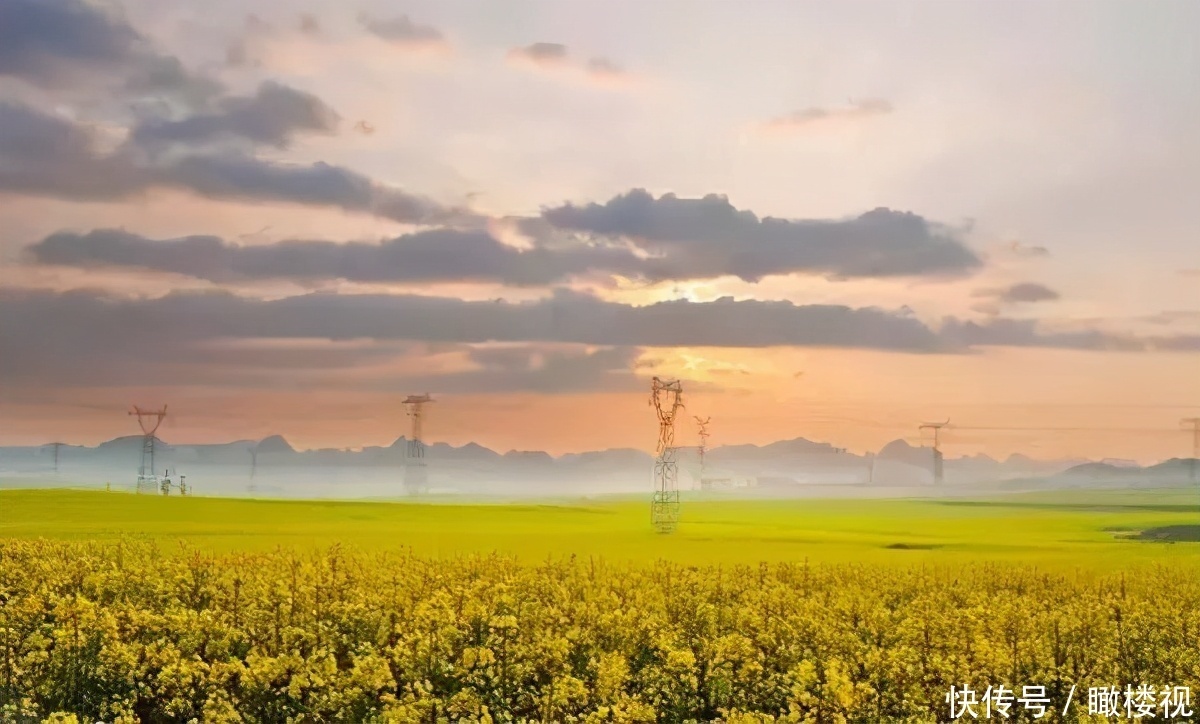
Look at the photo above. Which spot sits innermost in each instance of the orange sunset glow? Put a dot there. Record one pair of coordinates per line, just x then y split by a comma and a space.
826, 229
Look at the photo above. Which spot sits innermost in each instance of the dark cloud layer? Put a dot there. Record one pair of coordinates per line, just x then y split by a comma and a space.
690, 239
702, 238
682, 238
182, 341
72, 42
59, 43
271, 116
88, 338
47, 155
1026, 333
44, 41
134, 355
431, 256
566, 317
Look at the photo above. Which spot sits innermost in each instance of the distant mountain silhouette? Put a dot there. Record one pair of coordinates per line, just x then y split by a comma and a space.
1173, 470
529, 456
902, 451
474, 451
274, 444
797, 461
1095, 470
796, 446
130, 442
614, 456
1175, 466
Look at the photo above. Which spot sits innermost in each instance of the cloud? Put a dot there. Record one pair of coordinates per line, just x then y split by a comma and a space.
555, 57
709, 237
271, 116
1172, 316
162, 80
1023, 293
64, 43
39, 325
182, 359
544, 55
309, 25
1015, 294
686, 239
439, 255
1028, 292
46, 41
538, 369
402, 31
46, 155
1026, 333
85, 337
1020, 249
565, 318
246, 48
603, 71
184, 343
237, 176
604, 66
814, 116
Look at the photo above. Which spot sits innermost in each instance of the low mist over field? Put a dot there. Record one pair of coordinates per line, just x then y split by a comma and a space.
792, 468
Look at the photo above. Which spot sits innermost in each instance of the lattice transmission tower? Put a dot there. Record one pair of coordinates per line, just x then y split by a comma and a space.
702, 424
416, 475
251, 487
149, 421
666, 396
55, 446
938, 475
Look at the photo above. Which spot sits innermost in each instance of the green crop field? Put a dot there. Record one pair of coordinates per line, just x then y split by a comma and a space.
1071, 528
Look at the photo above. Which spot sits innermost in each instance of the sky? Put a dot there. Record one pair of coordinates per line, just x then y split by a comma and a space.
831, 221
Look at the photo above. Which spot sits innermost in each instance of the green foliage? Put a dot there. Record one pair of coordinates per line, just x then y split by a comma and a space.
122, 632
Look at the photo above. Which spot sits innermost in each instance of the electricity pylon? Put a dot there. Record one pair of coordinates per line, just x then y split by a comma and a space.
702, 423
416, 475
149, 421
666, 397
937, 452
